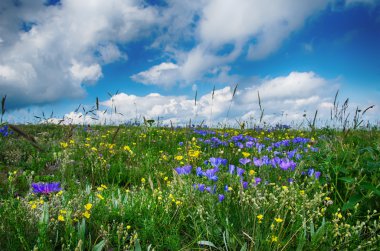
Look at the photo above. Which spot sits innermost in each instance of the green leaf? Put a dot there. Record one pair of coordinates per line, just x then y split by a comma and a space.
347, 179
370, 187
99, 246
137, 245
207, 243
352, 201
244, 247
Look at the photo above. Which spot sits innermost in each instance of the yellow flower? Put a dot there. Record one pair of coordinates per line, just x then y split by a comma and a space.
87, 214
100, 196
251, 172
100, 189
260, 217
229, 188
274, 238
178, 202
64, 144
61, 218
245, 154
166, 178
128, 227
179, 157
143, 180
72, 141
94, 149
34, 206
302, 192
159, 198
104, 186
278, 220
62, 211
193, 153
339, 215
285, 188
88, 206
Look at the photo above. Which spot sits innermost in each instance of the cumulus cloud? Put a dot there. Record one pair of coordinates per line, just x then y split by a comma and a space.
281, 99
164, 74
238, 24
49, 52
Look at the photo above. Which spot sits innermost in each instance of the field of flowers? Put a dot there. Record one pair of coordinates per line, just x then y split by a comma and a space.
164, 188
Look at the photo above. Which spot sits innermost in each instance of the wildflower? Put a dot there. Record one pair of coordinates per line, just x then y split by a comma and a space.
88, 206
260, 217
244, 161
240, 171
62, 211
194, 153
274, 238
179, 157
257, 180
34, 206
178, 202
211, 174
143, 180
61, 218
64, 144
221, 197
244, 184
302, 192
128, 227
278, 220
251, 172
99, 196
216, 162
183, 170
245, 154
87, 214
46, 188
231, 169
257, 162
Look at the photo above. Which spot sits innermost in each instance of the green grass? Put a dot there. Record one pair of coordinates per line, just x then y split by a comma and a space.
138, 201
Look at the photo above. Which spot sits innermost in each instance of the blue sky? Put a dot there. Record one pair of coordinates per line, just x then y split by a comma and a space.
55, 55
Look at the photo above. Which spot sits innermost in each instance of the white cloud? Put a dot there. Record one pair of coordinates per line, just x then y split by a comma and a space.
65, 45
164, 74
85, 73
224, 23
284, 104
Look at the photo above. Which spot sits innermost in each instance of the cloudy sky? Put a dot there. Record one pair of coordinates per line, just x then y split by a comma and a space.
151, 58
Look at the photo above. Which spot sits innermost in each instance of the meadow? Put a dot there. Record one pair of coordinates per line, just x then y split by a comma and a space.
144, 187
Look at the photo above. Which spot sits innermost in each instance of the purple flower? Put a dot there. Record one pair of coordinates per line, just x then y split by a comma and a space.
317, 174
257, 162
201, 187
240, 171
257, 180
4, 131
244, 161
285, 164
221, 197
46, 188
211, 189
183, 170
199, 172
249, 144
244, 184
211, 174
231, 169
216, 162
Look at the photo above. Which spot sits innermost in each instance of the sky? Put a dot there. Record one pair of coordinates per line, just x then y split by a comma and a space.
176, 61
